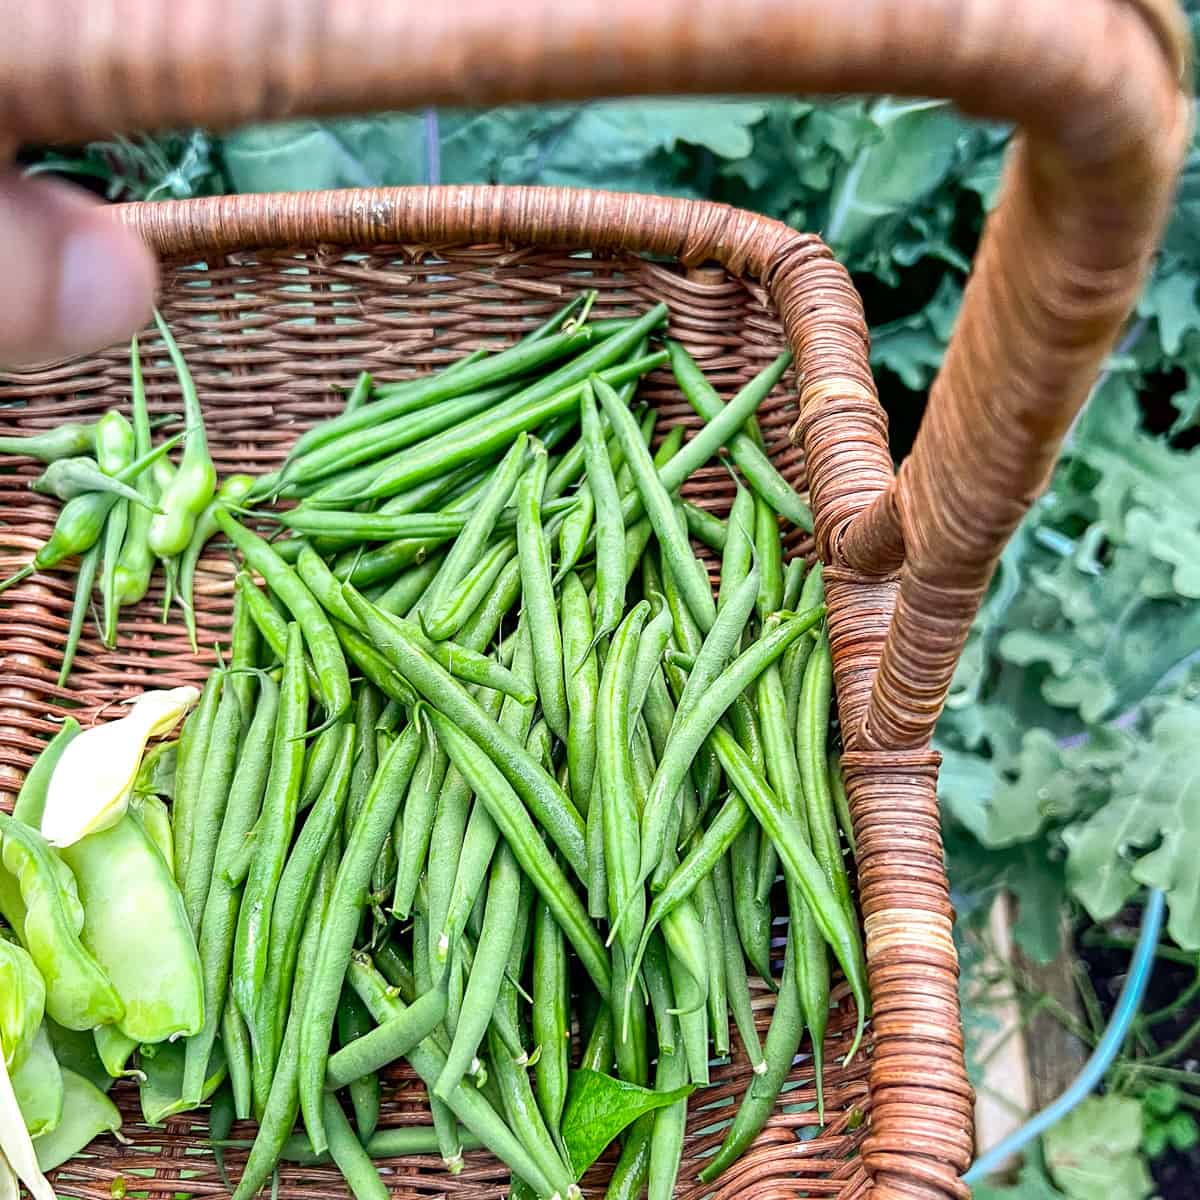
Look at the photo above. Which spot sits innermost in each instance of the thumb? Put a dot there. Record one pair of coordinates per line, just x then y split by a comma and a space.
72, 279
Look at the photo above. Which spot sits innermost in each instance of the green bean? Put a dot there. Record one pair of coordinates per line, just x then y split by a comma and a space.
387, 436
677, 553
457, 608
547, 801
518, 830
421, 393
488, 432
737, 986
753, 916
66, 440
409, 586
404, 1141
551, 1014
800, 866
471, 1108
598, 1053
630, 1033
89, 562
793, 583
370, 527
657, 979
482, 626
278, 1115
412, 846
345, 908
837, 785
374, 666
814, 772
386, 1042
622, 846
704, 682
318, 762
274, 834
583, 686
483, 985
216, 778
670, 1123
319, 635
189, 771
750, 459
690, 996
770, 562
725, 425
650, 650
574, 532
271, 625
471, 542
739, 545
235, 1037
718, 998
707, 528
783, 1042
633, 1167
347, 1152
537, 596
610, 525
297, 884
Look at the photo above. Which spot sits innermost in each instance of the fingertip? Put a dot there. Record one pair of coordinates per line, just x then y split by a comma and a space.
72, 279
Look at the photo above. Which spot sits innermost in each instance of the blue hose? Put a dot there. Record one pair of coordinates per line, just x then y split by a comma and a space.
1106, 1050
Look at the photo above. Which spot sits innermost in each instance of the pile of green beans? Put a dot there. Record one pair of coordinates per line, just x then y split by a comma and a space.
126, 504
492, 784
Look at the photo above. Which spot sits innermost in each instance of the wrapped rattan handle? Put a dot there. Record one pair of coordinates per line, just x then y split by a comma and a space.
1095, 84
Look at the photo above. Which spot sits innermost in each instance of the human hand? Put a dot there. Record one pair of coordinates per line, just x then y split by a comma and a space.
71, 278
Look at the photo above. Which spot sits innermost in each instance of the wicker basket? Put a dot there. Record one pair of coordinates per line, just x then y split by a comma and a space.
277, 300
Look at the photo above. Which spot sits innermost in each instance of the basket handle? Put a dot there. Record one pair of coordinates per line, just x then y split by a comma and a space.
1094, 84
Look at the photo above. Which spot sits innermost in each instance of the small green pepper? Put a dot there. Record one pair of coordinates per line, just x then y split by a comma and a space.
185, 497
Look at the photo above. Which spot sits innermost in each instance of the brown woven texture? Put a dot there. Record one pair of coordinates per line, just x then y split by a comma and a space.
1095, 86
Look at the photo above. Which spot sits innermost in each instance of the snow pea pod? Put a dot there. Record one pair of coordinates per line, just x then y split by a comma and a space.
136, 926
31, 801
39, 899
87, 1113
38, 1086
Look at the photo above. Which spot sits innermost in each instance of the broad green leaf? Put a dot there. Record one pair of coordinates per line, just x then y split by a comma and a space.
1093, 1151
599, 1107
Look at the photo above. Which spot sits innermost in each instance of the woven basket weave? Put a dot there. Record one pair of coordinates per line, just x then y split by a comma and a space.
278, 300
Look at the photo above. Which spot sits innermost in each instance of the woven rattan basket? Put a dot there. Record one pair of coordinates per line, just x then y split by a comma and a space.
278, 300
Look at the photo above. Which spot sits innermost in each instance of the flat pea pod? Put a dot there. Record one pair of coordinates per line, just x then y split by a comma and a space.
115, 1049
679, 559
87, 1113
386, 1043
610, 524
31, 800
195, 481
497, 794
38, 1086
582, 676
551, 1013
345, 908
42, 905
783, 1043
319, 635
298, 882
748, 456
801, 867
273, 836
66, 440
189, 771
159, 983
538, 789
537, 594
622, 845
233, 490
219, 765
